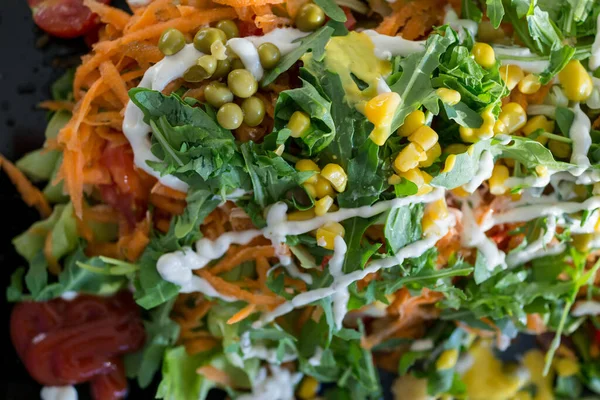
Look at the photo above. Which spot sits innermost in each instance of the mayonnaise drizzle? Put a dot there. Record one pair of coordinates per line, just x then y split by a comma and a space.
340, 298
58, 393
277, 386
460, 25
588, 307
484, 172
261, 351
521, 256
388, 46
594, 62
474, 236
582, 141
522, 57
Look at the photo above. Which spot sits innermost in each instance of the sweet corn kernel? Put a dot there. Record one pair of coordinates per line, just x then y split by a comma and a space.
412, 122
301, 215
500, 174
280, 149
460, 192
437, 209
447, 359
327, 233
541, 170
299, 124
456, 148
408, 158
394, 179
380, 111
513, 116
336, 175
309, 165
523, 395
596, 189
500, 128
323, 188
559, 149
424, 137
419, 178
511, 75
449, 163
530, 84
484, 55
308, 388
536, 123
566, 367
575, 81
485, 131
310, 189
432, 155
323, 205
448, 96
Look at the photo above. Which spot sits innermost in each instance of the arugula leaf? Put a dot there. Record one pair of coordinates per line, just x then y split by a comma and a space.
62, 88
495, 12
365, 178
530, 153
470, 10
309, 100
359, 248
559, 58
403, 226
464, 169
180, 380
200, 203
332, 10
314, 42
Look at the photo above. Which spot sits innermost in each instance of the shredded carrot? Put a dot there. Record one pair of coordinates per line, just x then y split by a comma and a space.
237, 256
57, 105
113, 79
242, 314
109, 15
101, 213
216, 375
199, 345
173, 206
230, 289
131, 246
31, 195
166, 191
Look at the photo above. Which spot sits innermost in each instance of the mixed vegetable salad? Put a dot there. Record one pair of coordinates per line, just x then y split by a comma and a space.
288, 199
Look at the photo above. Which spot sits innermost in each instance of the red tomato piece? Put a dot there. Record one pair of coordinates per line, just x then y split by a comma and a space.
29, 320
350, 20
249, 28
64, 18
111, 386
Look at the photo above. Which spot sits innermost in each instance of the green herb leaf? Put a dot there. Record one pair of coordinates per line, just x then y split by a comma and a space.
495, 12
332, 10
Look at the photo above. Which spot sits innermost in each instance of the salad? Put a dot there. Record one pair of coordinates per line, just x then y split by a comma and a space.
292, 199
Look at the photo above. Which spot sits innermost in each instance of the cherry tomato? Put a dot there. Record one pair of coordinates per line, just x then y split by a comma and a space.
350, 20
64, 18
248, 28
70, 342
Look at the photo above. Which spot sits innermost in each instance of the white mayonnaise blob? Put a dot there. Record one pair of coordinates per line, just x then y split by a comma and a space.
58, 393
277, 386
474, 236
388, 46
484, 172
588, 307
248, 53
595, 57
460, 25
262, 352
340, 298
582, 141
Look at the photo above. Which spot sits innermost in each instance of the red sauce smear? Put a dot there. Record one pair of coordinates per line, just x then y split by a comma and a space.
70, 342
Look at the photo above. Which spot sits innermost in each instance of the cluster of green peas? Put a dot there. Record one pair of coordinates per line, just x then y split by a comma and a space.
240, 82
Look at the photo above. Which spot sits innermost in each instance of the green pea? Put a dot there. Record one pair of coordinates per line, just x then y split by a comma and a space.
269, 55
242, 83
217, 94
310, 17
223, 68
237, 64
204, 68
206, 37
299, 123
229, 27
230, 116
171, 42
254, 111
209, 63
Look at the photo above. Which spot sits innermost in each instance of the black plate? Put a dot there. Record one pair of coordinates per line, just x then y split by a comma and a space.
29, 63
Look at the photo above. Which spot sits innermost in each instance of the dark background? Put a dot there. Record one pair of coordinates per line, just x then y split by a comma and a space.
29, 62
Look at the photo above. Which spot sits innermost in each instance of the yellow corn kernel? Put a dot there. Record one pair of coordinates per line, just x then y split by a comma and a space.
575, 81
447, 359
500, 128
541, 170
301, 215
412, 122
299, 124
310, 189
280, 149
511, 75
327, 233
513, 116
308, 388
323, 188
432, 155
485, 131
437, 209
408, 158
499, 176
559, 149
394, 179
380, 111
530, 84
523, 395
336, 175
424, 137
484, 55
323, 205
536, 123
566, 367
596, 189
460, 192
418, 177
456, 148
308, 165
448, 96
449, 163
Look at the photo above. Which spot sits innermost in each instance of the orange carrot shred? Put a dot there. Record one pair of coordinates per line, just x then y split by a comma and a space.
30, 194
242, 314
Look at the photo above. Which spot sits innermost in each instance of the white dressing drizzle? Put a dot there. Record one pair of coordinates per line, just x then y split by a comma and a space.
474, 236
58, 393
521, 256
340, 298
262, 352
588, 307
593, 101
522, 57
484, 172
542, 109
422, 345
595, 57
580, 134
460, 25
277, 386
388, 46
246, 51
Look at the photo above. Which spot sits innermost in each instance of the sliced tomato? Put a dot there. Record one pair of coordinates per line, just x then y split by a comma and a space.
111, 386
64, 18
249, 28
350, 20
